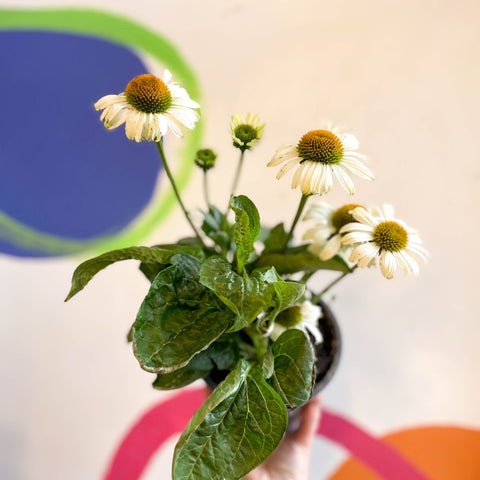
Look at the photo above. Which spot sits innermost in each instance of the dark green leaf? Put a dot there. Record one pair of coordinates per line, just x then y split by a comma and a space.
217, 228
276, 240
294, 367
212, 220
178, 318
224, 352
287, 294
158, 254
267, 364
151, 270
238, 426
288, 262
247, 228
198, 367
245, 296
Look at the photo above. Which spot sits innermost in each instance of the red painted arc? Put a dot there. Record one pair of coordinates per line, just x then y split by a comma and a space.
170, 417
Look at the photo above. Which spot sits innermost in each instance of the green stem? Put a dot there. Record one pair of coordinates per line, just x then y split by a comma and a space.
177, 194
234, 186
205, 189
301, 205
317, 297
260, 342
237, 175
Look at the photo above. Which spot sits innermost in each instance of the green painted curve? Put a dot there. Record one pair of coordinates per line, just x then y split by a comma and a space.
124, 32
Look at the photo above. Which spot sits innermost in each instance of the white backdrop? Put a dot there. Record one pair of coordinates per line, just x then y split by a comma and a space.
403, 77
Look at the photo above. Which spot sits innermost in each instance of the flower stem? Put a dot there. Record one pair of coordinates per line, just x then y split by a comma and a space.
301, 205
205, 189
177, 194
234, 186
317, 297
237, 175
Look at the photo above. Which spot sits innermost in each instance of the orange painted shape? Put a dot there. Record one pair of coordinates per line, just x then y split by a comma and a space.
441, 453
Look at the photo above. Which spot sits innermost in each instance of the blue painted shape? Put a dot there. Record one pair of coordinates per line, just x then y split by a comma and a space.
61, 171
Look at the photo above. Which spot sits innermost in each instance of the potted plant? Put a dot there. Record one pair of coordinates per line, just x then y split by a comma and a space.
231, 303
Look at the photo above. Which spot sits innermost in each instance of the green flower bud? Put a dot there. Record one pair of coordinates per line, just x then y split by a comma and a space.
205, 159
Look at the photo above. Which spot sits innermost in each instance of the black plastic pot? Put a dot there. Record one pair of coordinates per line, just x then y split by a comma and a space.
328, 352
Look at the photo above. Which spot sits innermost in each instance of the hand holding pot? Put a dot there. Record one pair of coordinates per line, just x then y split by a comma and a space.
290, 460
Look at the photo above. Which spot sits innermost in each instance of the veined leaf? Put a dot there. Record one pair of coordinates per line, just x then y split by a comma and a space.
287, 294
151, 270
293, 367
276, 240
247, 228
245, 296
217, 228
223, 354
199, 366
238, 426
178, 318
300, 261
158, 254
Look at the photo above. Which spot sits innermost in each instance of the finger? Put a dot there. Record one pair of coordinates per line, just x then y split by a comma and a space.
309, 423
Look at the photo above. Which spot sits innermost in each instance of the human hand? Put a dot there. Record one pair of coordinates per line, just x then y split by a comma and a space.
290, 460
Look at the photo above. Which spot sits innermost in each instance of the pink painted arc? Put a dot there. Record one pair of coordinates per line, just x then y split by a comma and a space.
372, 452
170, 417
148, 434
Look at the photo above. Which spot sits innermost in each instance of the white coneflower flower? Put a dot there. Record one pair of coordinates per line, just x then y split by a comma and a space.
245, 133
149, 107
384, 237
303, 317
321, 155
325, 235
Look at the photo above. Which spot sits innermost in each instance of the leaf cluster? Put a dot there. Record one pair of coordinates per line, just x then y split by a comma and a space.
208, 311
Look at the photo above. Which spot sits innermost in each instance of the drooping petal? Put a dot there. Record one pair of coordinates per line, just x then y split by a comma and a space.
287, 166
107, 100
356, 237
356, 227
131, 124
306, 181
362, 216
298, 175
357, 167
388, 264
412, 264
139, 126
319, 211
284, 153
349, 142
181, 98
363, 254
118, 119
331, 248
170, 122
418, 250
344, 179
184, 115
